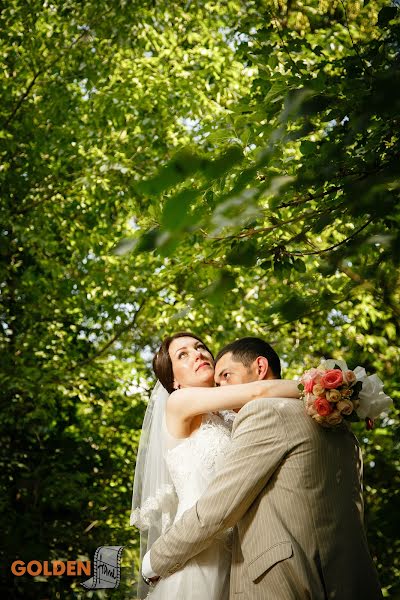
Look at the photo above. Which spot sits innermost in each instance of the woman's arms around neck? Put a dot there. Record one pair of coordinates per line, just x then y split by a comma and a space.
186, 404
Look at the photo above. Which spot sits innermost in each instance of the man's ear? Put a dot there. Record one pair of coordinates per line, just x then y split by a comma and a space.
262, 366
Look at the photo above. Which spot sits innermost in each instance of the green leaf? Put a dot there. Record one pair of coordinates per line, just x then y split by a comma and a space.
299, 265
209, 197
221, 135
216, 292
357, 387
321, 223
168, 242
293, 308
244, 253
307, 147
185, 163
266, 264
273, 61
281, 266
314, 104
353, 417
221, 165
176, 214
386, 14
148, 241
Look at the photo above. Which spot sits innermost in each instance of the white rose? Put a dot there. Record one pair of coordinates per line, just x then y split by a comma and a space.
345, 407
334, 395
334, 418
311, 410
318, 389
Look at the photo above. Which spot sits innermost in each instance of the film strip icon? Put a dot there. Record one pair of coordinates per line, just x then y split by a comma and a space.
106, 568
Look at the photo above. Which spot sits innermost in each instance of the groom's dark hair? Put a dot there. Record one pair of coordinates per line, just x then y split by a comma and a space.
246, 350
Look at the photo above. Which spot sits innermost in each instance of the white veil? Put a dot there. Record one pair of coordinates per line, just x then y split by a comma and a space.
154, 501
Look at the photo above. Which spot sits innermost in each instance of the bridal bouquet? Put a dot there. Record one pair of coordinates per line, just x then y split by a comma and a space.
333, 392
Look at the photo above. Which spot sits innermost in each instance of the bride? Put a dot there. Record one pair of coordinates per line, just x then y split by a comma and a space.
182, 442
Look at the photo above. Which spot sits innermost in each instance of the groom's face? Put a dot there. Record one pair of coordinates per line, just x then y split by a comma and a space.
231, 372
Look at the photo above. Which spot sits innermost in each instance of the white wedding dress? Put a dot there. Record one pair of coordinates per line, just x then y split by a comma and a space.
192, 464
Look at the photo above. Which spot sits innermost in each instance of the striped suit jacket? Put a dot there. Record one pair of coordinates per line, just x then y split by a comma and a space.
294, 491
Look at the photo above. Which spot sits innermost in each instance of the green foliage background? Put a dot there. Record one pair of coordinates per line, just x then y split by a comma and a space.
225, 167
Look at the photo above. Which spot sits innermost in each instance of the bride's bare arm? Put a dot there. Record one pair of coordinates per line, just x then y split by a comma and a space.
186, 403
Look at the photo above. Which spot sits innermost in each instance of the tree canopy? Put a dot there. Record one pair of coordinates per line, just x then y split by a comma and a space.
229, 168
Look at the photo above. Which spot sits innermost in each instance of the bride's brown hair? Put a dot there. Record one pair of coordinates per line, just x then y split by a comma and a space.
162, 364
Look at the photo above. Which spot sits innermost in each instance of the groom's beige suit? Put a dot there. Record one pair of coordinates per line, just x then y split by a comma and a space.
293, 489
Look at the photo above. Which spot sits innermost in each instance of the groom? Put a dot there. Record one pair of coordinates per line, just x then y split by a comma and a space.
294, 491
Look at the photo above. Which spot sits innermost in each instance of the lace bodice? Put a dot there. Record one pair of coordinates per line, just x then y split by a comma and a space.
193, 462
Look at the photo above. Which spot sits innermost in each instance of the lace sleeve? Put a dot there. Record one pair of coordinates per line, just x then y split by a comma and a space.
158, 508
228, 416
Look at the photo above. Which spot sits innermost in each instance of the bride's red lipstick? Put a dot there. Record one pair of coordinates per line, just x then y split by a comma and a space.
203, 364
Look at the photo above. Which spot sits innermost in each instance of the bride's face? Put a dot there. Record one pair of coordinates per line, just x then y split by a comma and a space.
192, 363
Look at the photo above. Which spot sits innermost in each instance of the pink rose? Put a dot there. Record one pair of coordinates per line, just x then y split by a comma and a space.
309, 376
318, 378
311, 373
308, 387
332, 379
322, 406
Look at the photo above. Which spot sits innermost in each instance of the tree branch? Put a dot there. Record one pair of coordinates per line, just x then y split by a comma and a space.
111, 341
362, 61
46, 68
22, 99
311, 312
353, 235
338, 188
254, 231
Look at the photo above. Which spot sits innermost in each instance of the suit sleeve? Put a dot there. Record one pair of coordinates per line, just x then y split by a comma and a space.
258, 446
